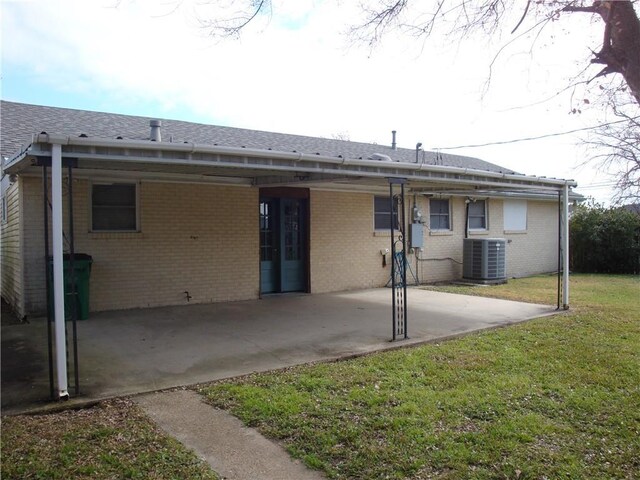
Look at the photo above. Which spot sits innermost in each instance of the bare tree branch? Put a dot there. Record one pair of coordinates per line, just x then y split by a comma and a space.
378, 20
618, 145
541, 24
574, 8
526, 9
233, 25
619, 53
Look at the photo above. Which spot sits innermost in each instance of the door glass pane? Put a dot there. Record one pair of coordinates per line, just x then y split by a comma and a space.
292, 237
266, 231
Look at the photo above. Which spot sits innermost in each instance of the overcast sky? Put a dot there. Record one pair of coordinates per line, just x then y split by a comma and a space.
295, 71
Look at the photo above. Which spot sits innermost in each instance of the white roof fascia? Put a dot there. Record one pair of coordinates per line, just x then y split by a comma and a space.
259, 159
547, 196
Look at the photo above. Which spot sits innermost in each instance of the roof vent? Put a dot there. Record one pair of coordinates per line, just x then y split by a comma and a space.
155, 135
381, 156
393, 140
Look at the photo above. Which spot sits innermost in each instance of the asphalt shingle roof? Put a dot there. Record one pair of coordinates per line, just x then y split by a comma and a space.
19, 121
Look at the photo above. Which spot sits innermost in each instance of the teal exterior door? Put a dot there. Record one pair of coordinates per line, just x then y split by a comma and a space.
283, 245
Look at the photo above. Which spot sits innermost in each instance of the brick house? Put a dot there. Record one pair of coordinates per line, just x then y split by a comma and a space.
173, 211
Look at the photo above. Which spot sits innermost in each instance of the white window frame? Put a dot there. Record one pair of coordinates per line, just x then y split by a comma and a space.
114, 182
449, 202
513, 211
486, 216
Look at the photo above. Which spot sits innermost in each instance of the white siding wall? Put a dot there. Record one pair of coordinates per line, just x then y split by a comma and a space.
11, 249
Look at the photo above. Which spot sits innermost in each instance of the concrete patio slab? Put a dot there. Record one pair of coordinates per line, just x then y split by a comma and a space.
134, 351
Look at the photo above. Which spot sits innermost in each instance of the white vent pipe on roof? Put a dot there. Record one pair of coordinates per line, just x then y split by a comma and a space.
393, 140
155, 135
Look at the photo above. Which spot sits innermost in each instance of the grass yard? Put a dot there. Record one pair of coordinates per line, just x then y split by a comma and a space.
586, 291
557, 397
113, 440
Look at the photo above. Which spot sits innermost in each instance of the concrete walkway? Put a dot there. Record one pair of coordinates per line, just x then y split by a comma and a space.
234, 451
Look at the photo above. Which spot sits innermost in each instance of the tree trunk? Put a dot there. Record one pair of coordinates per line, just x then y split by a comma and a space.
621, 47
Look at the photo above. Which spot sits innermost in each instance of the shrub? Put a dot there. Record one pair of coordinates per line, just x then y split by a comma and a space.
604, 240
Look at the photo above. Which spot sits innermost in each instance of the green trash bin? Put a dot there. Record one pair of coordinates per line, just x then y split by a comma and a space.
82, 269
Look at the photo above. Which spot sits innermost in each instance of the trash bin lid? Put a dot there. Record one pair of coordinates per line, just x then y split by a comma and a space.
77, 257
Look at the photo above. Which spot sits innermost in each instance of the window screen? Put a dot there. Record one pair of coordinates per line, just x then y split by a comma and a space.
439, 214
113, 207
478, 215
382, 213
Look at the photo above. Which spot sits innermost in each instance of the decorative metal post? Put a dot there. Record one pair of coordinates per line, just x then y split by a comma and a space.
399, 260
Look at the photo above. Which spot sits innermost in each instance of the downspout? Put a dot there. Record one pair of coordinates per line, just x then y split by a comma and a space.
565, 247
466, 218
58, 271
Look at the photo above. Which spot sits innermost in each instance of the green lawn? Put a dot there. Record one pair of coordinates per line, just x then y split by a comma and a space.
557, 397
113, 440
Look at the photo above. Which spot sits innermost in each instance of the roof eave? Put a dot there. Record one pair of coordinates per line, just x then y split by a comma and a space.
146, 151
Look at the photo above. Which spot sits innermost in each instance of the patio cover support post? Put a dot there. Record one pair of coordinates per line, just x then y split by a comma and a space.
58, 271
565, 247
559, 290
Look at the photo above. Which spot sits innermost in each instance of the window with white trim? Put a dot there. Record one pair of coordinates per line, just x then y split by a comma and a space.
477, 215
515, 215
439, 214
382, 213
114, 207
